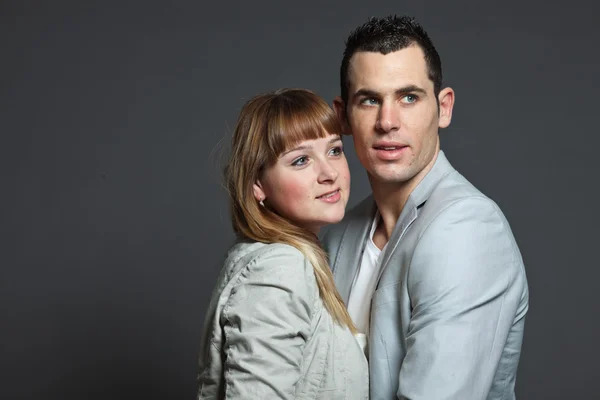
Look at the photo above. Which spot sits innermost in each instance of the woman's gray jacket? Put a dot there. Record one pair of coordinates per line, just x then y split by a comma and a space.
267, 334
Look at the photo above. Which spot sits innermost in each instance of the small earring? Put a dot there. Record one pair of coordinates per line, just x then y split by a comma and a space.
261, 202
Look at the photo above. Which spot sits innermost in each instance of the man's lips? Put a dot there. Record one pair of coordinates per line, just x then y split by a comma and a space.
388, 146
389, 151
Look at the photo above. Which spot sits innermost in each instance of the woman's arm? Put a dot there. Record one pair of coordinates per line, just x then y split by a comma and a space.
266, 323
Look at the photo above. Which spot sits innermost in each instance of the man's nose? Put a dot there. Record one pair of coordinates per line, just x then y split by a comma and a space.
388, 118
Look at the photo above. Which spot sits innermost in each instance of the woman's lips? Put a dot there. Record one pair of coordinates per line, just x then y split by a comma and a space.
331, 197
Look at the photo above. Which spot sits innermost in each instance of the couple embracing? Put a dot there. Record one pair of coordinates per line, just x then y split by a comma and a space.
419, 292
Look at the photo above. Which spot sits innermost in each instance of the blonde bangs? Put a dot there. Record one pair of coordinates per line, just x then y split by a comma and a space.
293, 120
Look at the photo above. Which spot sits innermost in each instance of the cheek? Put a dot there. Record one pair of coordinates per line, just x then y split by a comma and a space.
422, 124
362, 142
362, 126
344, 174
289, 192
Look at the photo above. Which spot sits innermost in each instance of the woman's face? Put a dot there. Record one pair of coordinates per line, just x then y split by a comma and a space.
309, 184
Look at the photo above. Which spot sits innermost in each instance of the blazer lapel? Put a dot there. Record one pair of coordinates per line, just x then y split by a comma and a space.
419, 195
351, 248
408, 215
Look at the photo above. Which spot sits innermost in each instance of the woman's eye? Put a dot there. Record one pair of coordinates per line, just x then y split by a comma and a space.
300, 161
336, 151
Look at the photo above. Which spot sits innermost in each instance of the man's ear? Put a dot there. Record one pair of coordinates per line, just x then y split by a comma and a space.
257, 190
446, 101
340, 110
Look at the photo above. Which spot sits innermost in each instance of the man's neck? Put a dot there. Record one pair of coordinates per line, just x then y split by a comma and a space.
391, 197
390, 200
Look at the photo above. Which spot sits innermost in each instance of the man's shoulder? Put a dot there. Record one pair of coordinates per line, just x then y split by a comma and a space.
455, 188
455, 200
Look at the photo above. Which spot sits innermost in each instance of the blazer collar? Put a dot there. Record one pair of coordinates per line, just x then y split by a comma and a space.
440, 169
357, 229
418, 197
351, 247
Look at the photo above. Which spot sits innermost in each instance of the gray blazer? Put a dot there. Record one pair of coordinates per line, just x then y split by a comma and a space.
448, 312
267, 334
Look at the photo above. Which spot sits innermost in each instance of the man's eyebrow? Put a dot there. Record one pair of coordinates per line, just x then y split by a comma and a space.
402, 90
365, 93
410, 89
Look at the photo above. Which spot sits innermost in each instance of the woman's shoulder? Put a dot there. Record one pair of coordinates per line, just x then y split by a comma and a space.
280, 259
255, 252
273, 266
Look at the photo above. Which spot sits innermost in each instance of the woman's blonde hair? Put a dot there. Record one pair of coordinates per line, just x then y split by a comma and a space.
268, 125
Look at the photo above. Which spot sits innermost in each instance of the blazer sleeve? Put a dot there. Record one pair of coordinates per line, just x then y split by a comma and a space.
466, 283
267, 321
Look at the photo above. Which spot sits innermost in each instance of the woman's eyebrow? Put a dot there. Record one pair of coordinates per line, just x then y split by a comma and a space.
309, 147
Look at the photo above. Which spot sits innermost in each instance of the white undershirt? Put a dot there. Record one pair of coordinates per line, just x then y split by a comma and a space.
363, 287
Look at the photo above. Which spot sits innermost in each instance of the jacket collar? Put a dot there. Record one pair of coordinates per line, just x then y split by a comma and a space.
357, 229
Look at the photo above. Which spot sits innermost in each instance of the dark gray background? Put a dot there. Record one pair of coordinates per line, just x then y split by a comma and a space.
114, 223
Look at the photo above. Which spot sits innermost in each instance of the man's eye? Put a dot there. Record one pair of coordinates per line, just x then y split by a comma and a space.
336, 151
300, 161
409, 98
370, 101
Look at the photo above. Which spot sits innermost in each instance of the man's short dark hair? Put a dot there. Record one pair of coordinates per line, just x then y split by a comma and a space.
386, 35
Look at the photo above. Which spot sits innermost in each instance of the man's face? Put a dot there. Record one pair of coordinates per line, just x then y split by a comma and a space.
392, 114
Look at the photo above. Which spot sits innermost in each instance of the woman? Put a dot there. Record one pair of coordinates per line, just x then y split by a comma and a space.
276, 327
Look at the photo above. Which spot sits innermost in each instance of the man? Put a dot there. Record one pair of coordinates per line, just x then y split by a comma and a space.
427, 264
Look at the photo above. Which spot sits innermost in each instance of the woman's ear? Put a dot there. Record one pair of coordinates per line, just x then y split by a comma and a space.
259, 193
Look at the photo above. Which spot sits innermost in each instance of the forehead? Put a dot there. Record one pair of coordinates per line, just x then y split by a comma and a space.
379, 72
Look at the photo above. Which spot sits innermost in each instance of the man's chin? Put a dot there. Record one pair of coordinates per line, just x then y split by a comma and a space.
390, 177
